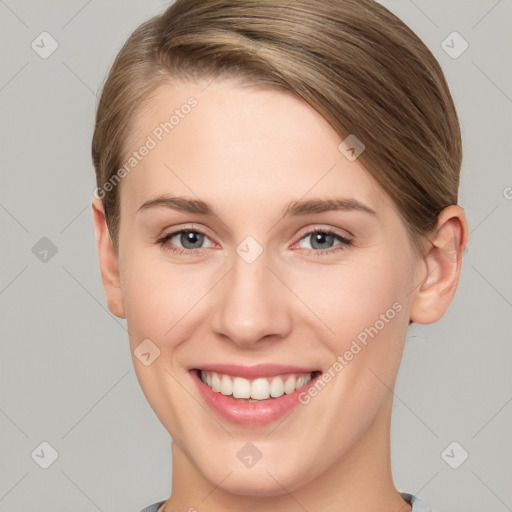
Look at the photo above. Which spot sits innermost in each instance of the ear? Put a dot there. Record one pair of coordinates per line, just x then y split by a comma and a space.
440, 267
109, 261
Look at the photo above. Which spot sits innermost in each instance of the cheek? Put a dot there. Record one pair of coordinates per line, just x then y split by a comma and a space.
155, 301
365, 304
164, 301
375, 320
352, 296
158, 299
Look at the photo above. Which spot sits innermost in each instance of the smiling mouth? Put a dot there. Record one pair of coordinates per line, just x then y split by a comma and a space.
255, 390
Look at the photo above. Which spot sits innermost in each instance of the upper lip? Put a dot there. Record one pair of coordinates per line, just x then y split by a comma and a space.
253, 372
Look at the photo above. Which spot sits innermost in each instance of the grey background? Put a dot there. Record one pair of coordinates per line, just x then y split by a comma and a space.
66, 374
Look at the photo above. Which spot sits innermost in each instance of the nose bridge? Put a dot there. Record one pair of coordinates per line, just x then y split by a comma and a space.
252, 303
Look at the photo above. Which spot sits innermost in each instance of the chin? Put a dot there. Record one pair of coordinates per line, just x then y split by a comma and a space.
267, 478
262, 484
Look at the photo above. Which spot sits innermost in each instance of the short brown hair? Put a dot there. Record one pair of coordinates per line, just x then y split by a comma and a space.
353, 61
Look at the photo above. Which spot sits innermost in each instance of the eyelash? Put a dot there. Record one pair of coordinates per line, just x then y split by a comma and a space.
345, 242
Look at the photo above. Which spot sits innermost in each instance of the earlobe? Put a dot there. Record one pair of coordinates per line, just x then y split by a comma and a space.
108, 260
440, 267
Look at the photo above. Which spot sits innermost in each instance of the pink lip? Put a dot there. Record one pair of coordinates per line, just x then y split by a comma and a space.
250, 413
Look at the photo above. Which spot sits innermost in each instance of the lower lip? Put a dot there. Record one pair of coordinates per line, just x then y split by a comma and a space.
249, 413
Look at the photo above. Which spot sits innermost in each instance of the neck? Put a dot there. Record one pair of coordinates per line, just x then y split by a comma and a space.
361, 481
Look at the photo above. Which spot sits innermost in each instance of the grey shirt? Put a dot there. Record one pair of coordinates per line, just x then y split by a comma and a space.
417, 504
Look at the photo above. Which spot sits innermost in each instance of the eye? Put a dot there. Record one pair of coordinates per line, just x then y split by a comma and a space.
321, 242
191, 241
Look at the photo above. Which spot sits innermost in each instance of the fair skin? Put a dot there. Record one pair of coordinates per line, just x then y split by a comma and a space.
250, 152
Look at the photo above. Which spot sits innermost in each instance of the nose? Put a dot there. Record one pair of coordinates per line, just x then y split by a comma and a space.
253, 305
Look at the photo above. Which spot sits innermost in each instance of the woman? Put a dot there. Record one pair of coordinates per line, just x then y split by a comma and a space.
276, 203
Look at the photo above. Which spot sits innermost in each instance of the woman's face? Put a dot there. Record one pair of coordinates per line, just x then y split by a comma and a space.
252, 293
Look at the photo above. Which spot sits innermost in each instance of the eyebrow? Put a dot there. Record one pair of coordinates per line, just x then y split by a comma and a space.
311, 206
294, 208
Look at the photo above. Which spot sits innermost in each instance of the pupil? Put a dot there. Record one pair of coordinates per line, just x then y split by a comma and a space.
319, 238
191, 237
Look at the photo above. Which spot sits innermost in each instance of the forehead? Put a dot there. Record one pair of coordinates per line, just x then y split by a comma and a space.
238, 146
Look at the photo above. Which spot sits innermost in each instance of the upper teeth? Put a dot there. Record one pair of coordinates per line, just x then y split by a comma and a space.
258, 389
